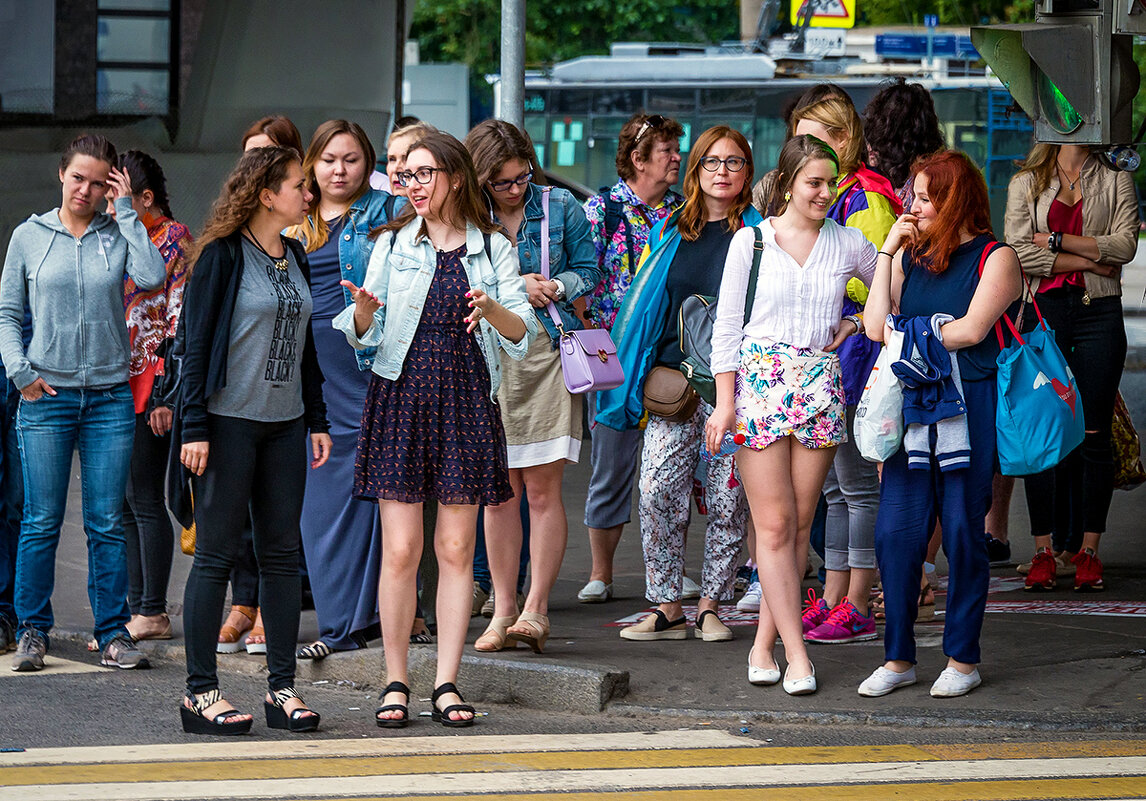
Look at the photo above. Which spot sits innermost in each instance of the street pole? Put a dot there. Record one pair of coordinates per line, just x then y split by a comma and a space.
399, 57
513, 62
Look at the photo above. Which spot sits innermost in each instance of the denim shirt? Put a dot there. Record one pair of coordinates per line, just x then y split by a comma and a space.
572, 256
399, 274
355, 247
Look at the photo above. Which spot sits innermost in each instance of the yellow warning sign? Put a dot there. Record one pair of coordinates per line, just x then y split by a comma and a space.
826, 13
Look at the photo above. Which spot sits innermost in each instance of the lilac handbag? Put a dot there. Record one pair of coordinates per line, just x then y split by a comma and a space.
588, 357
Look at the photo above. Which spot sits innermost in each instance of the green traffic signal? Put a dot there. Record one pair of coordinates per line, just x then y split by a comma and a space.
1057, 111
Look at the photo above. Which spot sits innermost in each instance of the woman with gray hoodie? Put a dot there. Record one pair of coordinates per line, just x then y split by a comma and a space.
67, 266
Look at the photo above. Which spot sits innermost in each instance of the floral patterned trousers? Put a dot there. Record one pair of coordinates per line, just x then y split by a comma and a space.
669, 462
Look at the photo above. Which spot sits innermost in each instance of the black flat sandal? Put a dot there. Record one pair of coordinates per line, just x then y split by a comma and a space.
443, 715
195, 722
394, 723
302, 719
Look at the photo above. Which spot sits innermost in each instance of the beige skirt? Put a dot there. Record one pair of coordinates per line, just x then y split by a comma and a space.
542, 419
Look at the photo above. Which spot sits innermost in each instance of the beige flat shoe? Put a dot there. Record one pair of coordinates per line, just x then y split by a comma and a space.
494, 637
150, 627
531, 629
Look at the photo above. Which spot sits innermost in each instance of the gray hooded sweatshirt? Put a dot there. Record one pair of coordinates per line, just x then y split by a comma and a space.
74, 288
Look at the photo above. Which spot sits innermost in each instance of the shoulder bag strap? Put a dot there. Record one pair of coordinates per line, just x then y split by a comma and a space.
754, 274
987, 251
550, 307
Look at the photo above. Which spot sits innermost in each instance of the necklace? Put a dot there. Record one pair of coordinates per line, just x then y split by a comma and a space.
281, 263
1066, 175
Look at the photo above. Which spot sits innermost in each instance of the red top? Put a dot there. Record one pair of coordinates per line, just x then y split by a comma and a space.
1068, 220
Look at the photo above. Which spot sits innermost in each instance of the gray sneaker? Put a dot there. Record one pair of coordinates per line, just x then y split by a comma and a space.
123, 653
7, 635
30, 651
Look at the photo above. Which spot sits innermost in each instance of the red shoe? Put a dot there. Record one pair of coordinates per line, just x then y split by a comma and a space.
1042, 572
1088, 572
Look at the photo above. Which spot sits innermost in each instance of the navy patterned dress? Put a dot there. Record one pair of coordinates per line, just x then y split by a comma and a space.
434, 433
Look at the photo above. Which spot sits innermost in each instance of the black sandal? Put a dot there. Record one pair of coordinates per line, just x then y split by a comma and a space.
195, 722
443, 715
302, 719
394, 723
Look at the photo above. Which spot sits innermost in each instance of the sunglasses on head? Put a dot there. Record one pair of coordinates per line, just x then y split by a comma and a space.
655, 121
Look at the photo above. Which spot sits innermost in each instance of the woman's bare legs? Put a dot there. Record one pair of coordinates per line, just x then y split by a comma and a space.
454, 547
503, 546
782, 483
397, 590
549, 532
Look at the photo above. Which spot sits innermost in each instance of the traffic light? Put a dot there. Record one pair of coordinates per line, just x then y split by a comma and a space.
1072, 70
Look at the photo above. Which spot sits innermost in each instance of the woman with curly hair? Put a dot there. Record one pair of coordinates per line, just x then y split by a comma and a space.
899, 126
685, 256
251, 392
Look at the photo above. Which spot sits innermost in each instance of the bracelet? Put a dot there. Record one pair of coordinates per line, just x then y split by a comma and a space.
1054, 242
885, 253
858, 321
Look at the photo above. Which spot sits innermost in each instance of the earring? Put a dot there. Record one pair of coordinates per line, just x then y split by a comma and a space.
271, 208
787, 196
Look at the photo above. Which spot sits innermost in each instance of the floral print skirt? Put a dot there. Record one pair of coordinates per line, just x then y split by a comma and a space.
783, 390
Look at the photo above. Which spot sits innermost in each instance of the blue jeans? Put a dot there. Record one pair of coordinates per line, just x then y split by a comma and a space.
11, 496
101, 423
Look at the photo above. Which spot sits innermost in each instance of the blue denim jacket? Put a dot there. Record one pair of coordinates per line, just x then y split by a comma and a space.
399, 274
572, 257
355, 247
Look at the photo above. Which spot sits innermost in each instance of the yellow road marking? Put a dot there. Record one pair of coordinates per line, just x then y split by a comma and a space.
54, 666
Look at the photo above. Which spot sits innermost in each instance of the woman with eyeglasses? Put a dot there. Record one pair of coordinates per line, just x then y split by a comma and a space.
442, 296
542, 419
685, 255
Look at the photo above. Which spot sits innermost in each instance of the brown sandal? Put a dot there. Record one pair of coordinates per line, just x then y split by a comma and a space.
531, 629
257, 638
230, 635
494, 637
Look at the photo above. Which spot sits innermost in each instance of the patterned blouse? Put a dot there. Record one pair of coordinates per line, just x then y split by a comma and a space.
152, 316
603, 302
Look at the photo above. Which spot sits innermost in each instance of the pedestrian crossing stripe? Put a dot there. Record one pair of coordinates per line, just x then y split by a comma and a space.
628, 765
54, 665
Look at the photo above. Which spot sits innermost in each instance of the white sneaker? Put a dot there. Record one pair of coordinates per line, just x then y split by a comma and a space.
952, 683
689, 590
595, 592
883, 681
750, 600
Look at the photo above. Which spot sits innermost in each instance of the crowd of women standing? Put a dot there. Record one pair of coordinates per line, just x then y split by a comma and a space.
406, 347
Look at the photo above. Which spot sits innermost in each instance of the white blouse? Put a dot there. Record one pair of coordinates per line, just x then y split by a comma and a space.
794, 305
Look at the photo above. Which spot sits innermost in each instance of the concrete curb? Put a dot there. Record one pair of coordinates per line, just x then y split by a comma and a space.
560, 687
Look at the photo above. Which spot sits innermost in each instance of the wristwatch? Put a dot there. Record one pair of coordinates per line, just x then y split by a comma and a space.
855, 318
560, 289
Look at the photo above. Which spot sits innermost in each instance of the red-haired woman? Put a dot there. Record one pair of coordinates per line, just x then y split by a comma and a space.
929, 274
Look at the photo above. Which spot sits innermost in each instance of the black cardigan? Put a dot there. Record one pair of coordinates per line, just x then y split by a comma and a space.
205, 328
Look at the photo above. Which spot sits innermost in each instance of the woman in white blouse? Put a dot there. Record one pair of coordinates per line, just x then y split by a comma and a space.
778, 384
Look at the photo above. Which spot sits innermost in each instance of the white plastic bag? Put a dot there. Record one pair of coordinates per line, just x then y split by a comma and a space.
879, 417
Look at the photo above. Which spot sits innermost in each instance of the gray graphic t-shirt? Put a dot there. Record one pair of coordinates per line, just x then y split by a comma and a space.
268, 331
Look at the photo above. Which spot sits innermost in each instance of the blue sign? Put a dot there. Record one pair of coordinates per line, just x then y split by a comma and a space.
931, 20
912, 45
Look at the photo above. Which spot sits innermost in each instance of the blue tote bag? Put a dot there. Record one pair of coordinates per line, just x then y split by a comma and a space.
1038, 418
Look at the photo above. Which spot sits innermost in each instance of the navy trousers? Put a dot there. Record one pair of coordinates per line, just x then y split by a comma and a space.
910, 503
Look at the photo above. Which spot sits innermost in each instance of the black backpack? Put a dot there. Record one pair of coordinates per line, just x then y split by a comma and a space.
614, 216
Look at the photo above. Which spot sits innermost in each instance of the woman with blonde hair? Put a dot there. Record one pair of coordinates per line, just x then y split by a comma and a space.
685, 256
778, 384
542, 419
250, 394
439, 304
397, 144
337, 528
1074, 224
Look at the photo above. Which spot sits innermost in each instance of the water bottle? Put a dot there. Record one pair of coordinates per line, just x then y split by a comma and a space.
730, 444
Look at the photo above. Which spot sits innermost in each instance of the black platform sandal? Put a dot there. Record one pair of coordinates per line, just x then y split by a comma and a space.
393, 723
195, 722
302, 719
443, 715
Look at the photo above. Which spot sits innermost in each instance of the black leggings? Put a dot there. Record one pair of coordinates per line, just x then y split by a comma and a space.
261, 466
1074, 497
146, 525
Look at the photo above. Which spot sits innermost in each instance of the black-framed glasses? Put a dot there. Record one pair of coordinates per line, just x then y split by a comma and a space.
503, 186
655, 121
733, 163
422, 175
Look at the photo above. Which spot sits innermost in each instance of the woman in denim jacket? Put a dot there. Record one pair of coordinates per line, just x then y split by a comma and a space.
442, 296
338, 529
542, 419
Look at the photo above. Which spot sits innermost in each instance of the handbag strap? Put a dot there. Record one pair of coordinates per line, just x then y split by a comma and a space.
550, 306
1027, 291
754, 274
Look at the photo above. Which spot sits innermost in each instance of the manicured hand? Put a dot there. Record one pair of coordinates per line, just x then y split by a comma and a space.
365, 302
480, 305
320, 446
193, 455
36, 390
541, 292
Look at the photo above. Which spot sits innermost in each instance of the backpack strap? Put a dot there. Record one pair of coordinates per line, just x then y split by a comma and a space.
388, 206
614, 217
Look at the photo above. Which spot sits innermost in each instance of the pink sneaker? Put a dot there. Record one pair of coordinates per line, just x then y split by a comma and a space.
844, 624
815, 613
